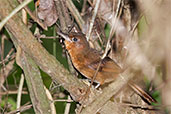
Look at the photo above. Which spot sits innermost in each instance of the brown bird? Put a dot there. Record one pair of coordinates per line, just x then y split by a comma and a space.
86, 60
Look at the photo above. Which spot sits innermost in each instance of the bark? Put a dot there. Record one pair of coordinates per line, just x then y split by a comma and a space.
48, 63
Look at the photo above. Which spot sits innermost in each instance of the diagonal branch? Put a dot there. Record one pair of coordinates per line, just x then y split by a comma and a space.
25, 39
108, 92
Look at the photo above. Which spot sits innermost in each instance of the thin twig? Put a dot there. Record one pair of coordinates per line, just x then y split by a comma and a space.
21, 109
68, 105
49, 96
75, 13
18, 8
2, 70
83, 7
13, 92
63, 100
24, 16
66, 14
47, 37
143, 107
2, 51
93, 19
54, 43
113, 29
8, 56
20, 91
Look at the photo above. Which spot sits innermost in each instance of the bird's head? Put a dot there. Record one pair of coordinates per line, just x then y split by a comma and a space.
75, 41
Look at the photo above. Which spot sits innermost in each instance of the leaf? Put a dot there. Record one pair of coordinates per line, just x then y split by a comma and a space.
47, 12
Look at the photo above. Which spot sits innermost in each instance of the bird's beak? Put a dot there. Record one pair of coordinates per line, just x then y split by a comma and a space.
66, 37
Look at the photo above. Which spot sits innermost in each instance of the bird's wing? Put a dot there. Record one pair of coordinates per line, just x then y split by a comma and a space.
107, 65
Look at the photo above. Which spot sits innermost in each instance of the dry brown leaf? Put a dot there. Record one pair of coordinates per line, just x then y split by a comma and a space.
47, 12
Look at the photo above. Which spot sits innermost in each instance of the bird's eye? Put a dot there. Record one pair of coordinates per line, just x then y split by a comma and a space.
74, 39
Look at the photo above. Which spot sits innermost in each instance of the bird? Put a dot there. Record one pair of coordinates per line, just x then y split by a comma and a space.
87, 60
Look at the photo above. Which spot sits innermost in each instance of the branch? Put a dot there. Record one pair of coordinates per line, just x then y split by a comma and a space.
14, 12
93, 19
40, 102
48, 63
75, 13
107, 93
